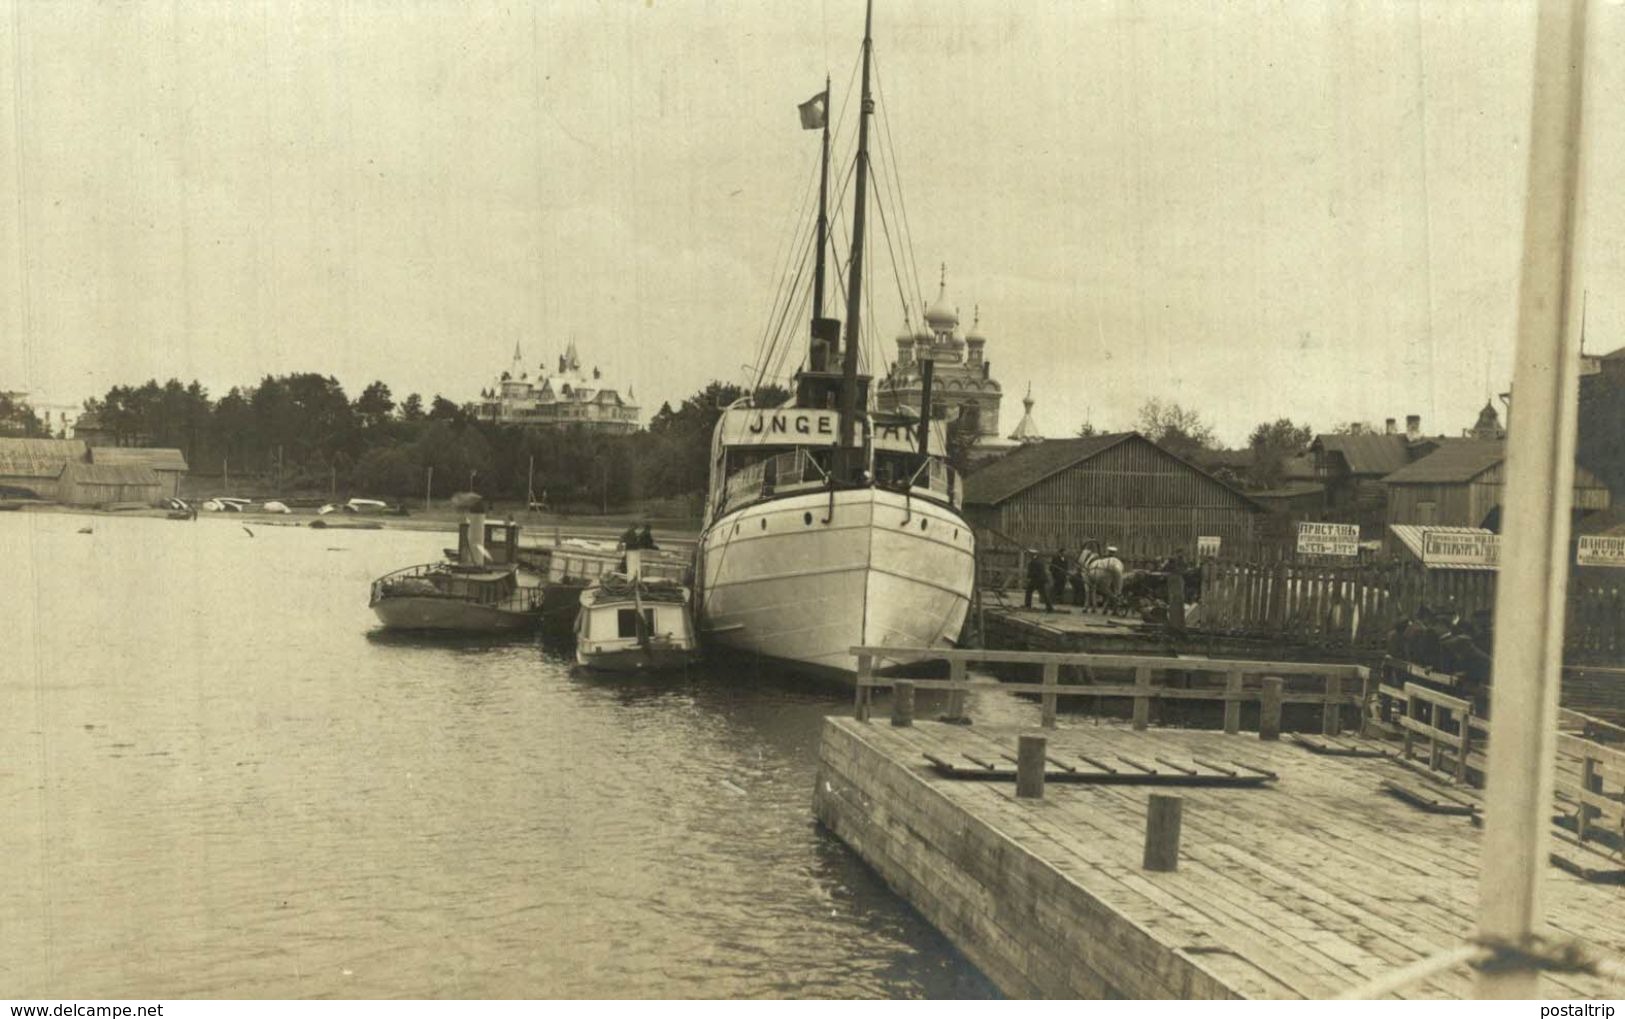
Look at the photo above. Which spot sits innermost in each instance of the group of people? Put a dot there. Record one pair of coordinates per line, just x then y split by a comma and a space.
632, 538
1447, 641
1050, 578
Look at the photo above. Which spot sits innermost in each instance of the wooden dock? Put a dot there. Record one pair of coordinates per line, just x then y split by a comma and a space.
1342, 866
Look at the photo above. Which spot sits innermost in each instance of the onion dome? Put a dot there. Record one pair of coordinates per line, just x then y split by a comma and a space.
941, 315
975, 335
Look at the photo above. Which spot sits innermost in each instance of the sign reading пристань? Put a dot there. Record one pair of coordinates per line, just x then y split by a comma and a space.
1328, 539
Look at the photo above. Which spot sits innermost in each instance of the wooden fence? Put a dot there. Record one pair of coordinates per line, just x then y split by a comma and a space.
1270, 685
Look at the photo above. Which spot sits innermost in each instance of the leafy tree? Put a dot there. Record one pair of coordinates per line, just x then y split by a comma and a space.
412, 408
1179, 431
18, 418
374, 406
1088, 429
1273, 443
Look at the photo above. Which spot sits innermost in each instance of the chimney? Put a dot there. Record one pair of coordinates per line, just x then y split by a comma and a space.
1355, 428
1390, 427
1413, 426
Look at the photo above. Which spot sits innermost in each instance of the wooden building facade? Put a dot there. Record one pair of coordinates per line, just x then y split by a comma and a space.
1120, 489
85, 484
168, 464
1462, 485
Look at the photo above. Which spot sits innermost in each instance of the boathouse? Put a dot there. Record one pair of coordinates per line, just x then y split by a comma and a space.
83, 484
1122, 489
168, 464
32, 468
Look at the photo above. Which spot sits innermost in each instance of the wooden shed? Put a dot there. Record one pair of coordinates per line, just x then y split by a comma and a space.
85, 484
1122, 489
1461, 484
168, 464
33, 467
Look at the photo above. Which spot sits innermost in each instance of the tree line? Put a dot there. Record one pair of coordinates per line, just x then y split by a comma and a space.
303, 432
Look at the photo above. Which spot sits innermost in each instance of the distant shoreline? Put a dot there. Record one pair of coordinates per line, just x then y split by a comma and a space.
439, 521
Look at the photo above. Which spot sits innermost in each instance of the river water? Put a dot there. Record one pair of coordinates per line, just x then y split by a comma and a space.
217, 779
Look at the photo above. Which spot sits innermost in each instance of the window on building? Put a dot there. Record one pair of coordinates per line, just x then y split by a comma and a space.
1427, 512
627, 622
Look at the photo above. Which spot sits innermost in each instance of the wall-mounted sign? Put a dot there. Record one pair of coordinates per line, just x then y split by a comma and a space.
1481, 549
780, 427
1328, 539
1601, 550
1207, 547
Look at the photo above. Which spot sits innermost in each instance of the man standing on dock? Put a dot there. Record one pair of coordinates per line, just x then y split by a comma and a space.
1038, 580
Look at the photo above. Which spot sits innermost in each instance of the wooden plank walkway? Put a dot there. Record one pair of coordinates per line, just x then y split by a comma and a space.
1307, 886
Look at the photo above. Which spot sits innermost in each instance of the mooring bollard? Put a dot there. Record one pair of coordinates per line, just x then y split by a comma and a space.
902, 704
1030, 767
1162, 818
1269, 708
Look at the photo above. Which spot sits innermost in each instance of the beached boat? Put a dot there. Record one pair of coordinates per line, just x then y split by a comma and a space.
631, 623
827, 526
481, 593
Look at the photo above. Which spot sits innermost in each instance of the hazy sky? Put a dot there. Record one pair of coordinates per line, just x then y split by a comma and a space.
1255, 209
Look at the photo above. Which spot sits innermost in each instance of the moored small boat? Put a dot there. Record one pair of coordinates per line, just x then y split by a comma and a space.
631, 623
481, 593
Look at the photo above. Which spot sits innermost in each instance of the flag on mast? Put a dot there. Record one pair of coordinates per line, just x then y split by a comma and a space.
814, 111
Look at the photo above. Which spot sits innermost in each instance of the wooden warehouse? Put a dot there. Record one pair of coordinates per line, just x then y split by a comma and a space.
1461, 484
168, 464
32, 468
85, 484
1122, 489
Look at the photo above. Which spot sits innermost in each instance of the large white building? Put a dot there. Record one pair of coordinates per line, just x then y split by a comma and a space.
568, 396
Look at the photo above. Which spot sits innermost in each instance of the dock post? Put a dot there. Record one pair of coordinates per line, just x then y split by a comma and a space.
1269, 708
1030, 767
956, 696
1591, 782
1176, 602
865, 692
902, 704
1331, 715
1162, 819
1142, 701
1232, 702
1052, 672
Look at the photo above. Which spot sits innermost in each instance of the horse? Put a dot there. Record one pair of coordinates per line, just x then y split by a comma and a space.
1102, 576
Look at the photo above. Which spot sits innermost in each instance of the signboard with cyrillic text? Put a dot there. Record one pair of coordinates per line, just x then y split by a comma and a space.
1472, 549
1328, 539
1601, 550
1207, 546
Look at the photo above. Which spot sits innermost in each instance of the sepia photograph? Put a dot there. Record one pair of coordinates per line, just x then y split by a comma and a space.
679, 500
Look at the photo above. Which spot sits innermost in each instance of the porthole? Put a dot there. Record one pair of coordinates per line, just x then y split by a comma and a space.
956, 534
736, 528
806, 518
764, 523
923, 522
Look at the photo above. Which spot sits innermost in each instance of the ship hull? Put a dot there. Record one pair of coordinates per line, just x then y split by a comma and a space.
803, 579
449, 615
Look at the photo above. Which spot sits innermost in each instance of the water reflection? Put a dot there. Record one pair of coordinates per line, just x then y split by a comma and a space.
227, 781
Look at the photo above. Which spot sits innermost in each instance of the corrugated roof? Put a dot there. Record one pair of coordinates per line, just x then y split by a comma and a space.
109, 474
38, 458
1367, 454
1452, 462
1020, 470
158, 458
1031, 464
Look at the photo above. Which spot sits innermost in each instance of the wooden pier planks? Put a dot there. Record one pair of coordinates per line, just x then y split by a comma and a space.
1307, 888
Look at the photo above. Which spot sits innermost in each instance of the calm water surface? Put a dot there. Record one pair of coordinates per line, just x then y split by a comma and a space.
216, 779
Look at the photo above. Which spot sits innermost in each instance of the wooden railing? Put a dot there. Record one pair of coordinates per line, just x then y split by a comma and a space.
1590, 778
1332, 686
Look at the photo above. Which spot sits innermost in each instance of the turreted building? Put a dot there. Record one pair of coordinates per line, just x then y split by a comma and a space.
962, 384
566, 397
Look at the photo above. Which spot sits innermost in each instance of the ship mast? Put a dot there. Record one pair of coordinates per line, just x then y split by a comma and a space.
823, 214
854, 289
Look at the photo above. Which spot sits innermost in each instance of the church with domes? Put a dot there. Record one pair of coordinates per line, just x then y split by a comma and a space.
962, 383
557, 399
